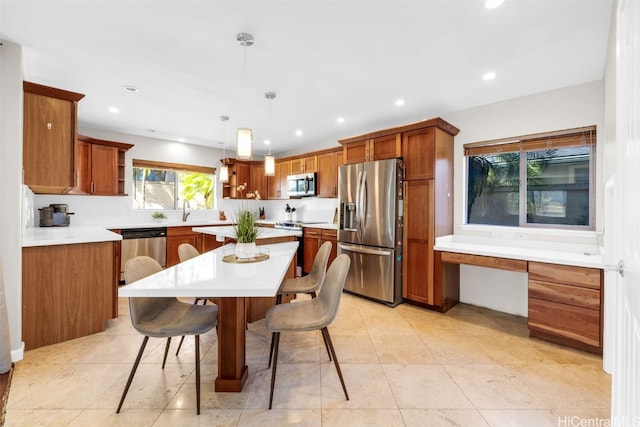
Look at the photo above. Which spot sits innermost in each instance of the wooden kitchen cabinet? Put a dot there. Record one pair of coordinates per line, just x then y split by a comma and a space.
100, 167
278, 184
306, 164
328, 164
370, 149
67, 291
177, 236
49, 134
259, 182
565, 305
312, 239
239, 173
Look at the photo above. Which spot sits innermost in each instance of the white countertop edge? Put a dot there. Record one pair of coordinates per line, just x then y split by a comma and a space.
51, 236
263, 232
593, 259
185, 280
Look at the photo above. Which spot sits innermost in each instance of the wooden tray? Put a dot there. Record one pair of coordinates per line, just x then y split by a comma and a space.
233, 258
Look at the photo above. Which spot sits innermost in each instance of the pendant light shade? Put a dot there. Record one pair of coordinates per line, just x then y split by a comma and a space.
245, 144
269, 165
224, 174
269, 160
224, 169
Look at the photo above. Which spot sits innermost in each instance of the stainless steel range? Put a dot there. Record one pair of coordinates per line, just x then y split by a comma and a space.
296, 226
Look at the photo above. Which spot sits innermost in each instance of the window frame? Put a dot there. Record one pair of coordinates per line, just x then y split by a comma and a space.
178, 168
536, 142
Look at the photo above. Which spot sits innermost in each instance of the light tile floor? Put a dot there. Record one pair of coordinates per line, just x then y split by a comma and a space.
403, 366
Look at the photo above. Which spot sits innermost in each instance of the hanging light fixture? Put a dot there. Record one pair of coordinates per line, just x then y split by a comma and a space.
269, 160
245, 135
224, 169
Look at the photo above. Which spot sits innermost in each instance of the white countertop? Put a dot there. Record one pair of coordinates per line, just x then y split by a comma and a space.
324, 225
48, 236
165, 223
528, 250
263, 233
207, 275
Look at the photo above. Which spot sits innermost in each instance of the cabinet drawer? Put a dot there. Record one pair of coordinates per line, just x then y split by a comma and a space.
565, 294
569, 275
576, 323
329, 234
181, 231
312, 232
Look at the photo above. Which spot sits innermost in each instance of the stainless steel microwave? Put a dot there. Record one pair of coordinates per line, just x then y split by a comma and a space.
302, 185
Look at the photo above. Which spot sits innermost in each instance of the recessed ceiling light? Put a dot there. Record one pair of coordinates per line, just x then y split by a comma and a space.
114, 110
267, 142
399, 102
492, 4
340, 120
151, 130
298, 133
130, 88
489, 76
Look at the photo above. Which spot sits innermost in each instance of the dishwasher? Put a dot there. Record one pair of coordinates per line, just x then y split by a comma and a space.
151, 242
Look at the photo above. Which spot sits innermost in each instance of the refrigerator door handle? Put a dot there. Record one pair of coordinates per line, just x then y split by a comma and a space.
361, 198
363, 250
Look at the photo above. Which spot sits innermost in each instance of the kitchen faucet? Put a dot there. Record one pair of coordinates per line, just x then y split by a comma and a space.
186, 210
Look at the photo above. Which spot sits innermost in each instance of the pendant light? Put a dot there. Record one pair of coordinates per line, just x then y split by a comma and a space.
245, 135
269, 160
224, 169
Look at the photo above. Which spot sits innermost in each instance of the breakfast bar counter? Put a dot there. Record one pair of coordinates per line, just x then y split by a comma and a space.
209, 275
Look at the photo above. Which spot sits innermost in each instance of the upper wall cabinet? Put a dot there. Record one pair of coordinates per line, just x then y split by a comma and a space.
99, 167
49, 138
328, 164
370, 149
306, 164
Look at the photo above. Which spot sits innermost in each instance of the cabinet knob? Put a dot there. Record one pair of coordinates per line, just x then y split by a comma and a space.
49, 126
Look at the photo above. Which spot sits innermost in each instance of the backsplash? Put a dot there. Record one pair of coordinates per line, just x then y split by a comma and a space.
111, 211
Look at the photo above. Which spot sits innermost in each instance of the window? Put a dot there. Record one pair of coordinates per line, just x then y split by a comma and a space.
158, 185
543, 180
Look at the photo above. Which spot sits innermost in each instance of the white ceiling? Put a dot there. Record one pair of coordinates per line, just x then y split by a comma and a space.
323, 59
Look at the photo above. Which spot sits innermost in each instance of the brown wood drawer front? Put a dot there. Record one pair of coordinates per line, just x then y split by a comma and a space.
567, 274
312, 232
485, 261
566, 294
330, 234
576, 323
181, 231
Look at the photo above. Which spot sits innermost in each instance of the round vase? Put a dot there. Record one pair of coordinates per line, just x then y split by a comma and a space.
246, 250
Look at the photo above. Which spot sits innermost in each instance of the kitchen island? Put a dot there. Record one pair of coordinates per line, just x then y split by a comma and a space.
208, 275
257, 306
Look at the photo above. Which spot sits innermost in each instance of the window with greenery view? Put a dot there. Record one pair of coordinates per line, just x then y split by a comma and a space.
541, 180
158, 186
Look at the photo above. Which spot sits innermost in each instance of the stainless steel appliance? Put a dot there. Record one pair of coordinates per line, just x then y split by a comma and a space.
151, 242
370, 228
302, 185
296, 226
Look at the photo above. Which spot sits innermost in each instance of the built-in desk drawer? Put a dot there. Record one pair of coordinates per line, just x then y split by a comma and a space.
565, 304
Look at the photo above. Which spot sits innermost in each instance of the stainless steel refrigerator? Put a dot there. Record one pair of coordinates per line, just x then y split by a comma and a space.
370, 228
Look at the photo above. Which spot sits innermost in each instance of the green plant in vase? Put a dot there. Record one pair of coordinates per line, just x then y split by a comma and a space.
246, 228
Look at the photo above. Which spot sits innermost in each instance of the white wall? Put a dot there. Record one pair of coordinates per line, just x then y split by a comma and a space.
111, 211
565, 108
10, 187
